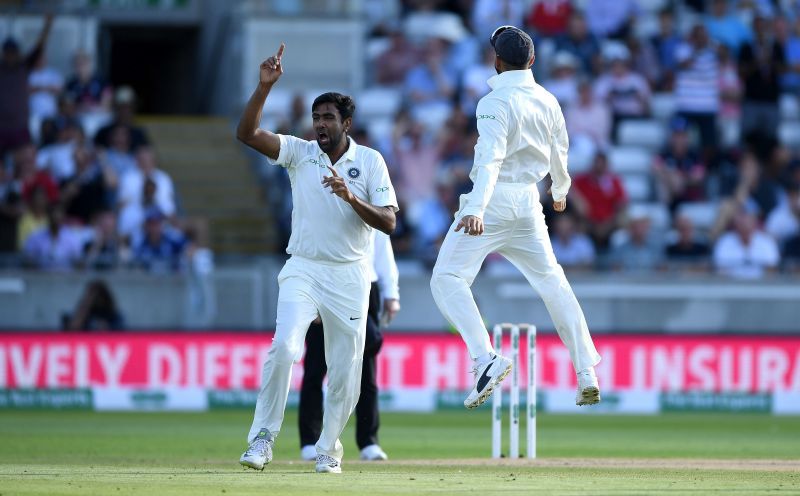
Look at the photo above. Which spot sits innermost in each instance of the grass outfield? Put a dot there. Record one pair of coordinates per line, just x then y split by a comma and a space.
444, 453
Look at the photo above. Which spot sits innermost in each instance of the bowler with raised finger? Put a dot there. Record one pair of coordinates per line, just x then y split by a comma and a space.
340, 192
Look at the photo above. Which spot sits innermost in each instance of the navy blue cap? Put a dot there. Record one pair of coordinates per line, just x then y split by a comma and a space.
513, 45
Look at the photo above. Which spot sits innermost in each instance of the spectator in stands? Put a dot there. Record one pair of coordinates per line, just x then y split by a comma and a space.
604, 196
131, 186
665, 45
59, 158
34, 216
679, 171
392, 66
745, 187
431, 85
563, 82
787, 33
14, 73
473, 81
124, 113
697, 86
417, 155
55, 246
746, 252
105, 250
644, 60
91, 189
11, 208
435, 216
488, 14
626, 92
687, 250
640, 251
611, 18
29, 177
131, 215
588, 117
761, 66
581, 43
45, 83
730, 88
91, 92
96, 310
549, 18
117, 156
784, 220
160, 248
726, 27
572, 248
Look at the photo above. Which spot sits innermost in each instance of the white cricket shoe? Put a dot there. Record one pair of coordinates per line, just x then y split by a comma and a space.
373, 453
588, 389
488, 376
308, 452
259, 453
328, 465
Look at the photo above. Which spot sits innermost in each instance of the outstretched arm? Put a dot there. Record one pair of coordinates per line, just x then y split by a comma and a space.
248, 131
32, 57
381, 218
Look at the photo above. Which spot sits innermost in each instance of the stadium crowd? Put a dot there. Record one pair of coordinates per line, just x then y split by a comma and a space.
673, 111
80, 185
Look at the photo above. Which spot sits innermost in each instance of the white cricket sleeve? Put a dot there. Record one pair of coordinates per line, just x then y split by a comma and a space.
490, 151
558, 159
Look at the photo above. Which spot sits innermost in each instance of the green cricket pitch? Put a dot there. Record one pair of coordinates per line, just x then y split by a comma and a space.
70, 453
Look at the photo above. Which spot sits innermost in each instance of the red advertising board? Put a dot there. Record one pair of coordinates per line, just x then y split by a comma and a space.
437, 361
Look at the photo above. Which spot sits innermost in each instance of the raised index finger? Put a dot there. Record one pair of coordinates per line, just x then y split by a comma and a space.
280, 51
333, 171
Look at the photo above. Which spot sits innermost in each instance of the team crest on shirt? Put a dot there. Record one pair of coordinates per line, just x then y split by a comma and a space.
353, 173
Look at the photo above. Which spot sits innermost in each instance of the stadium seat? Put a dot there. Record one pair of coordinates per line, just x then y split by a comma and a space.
378, 102
380, 131
637, 187
662, 106
789, 107
629, 159
702, 214
789, 134
649, 134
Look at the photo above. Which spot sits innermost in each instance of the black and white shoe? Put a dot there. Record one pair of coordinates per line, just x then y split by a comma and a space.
488, 375
259, 453
328, 465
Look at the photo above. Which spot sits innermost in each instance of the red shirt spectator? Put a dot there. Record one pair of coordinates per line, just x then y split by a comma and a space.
602, 190
30, 178
550, 17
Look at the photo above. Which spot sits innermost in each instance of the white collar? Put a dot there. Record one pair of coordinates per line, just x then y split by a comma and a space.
512, 78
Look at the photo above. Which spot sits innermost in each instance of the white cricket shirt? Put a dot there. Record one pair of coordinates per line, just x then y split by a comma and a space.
522, 138
324, 227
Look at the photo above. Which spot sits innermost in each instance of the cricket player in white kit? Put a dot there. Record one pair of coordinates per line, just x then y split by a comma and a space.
340, 192
522, 138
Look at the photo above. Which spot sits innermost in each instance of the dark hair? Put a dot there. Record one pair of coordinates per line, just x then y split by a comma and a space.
343, 103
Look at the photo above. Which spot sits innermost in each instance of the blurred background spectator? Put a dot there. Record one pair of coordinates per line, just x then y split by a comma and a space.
96, 310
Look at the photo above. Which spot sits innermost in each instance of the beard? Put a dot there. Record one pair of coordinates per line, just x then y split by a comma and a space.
332, 141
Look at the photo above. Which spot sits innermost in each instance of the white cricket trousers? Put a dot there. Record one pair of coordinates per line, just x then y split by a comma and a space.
514, 226
340, 294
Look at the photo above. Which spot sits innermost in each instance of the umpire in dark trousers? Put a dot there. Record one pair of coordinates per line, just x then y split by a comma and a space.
384, 295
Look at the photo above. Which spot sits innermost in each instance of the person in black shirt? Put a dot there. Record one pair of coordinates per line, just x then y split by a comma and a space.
687, 251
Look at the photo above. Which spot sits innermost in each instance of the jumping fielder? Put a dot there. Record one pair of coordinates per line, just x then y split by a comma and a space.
341, 191
522, 138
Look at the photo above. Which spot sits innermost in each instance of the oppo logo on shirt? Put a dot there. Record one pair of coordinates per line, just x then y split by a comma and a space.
486, 116
381, 190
